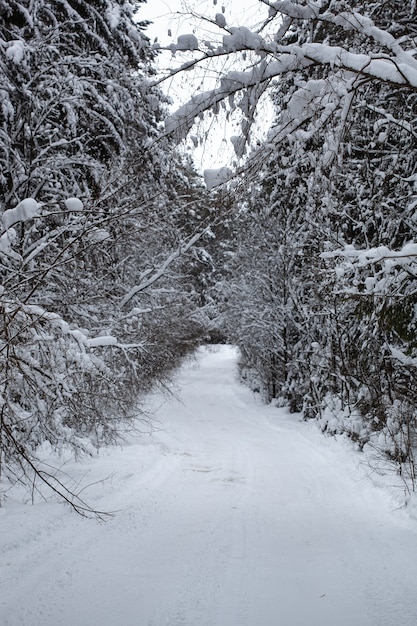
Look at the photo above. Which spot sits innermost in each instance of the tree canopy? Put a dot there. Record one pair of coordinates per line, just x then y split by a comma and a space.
320, 295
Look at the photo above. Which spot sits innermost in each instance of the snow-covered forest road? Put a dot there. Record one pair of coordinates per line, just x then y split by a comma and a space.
233, 514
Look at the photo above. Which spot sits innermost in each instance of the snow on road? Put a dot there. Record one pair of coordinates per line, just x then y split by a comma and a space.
233, 514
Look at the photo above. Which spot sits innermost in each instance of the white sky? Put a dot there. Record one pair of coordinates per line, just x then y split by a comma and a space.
177, 14
179, 17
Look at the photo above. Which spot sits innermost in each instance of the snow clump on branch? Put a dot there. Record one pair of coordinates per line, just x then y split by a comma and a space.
220, 20
15, 50
185, 43
26, 210
73, 204
241, 38
214, 178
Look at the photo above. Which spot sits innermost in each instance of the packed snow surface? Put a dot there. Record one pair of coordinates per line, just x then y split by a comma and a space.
230, 514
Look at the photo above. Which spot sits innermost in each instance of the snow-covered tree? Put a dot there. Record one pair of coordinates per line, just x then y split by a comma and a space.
95, 304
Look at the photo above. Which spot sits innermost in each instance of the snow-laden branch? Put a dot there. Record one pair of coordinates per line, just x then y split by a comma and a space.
349, 20
386, 272
35, 313
389, 118
386, 62
181, 121
291, 58
374, 255
380, 67
309, 11
148, 280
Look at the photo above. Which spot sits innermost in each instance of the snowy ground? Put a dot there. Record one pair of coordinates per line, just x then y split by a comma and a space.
235, 514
